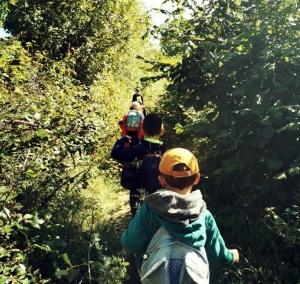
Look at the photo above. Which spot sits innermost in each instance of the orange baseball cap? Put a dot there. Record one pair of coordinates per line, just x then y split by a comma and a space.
177, 156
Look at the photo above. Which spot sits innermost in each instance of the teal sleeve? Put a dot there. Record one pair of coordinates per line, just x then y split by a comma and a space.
216, 250
141, 229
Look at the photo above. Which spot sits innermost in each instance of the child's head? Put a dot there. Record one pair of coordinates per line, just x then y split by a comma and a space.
179, 168
136, 106
153, 125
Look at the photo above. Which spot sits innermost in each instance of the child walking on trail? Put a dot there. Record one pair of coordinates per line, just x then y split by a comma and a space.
137, 96
152, 129
180, 211
132, 123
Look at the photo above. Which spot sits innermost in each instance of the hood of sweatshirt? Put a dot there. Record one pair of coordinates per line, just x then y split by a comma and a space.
182, 215
177, 208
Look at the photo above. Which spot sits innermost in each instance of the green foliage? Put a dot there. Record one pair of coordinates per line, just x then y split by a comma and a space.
108, 270
15, 260
91, 33
52, 133
286, 226
64, 87
233, 99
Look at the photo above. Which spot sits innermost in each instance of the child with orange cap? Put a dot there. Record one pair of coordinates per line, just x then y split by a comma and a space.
180, 211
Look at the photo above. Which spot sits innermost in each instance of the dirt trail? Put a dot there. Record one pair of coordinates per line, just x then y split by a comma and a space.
123, 217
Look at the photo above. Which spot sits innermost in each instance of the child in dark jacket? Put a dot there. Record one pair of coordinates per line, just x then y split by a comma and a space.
153, 129
138, 97
178, 209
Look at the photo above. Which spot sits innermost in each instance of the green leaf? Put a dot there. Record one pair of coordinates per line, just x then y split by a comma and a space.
229, 168
287, 79
7, 270
3, 215
97, 264
60, 273
237, 140
66, 259
294, 171
27, 216
280, 176
218, 171
42, 247
291, 126
22, 267
48, 216
254, 141
277, 114
37, 116
268, 131
96, 237
35, 225
275, 164
18, 206
245, 112
41, 133
10, 197
72, 273
240, 91
288, 51
30, 174
222, 134
37, 220
266, 121
3, 189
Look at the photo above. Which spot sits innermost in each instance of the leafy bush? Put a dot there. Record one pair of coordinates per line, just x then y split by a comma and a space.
234, 97
50, 134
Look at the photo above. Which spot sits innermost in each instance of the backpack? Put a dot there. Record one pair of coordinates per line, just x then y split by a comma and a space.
133, 120
142, 174
148, 172
169, 261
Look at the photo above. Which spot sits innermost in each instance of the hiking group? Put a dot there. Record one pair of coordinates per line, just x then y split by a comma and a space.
172, 235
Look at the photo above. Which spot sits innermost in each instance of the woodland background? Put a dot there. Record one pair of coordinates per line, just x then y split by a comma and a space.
225, 79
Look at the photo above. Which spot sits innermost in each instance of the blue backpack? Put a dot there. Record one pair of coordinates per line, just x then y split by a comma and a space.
148, 172
133, 120
169, 261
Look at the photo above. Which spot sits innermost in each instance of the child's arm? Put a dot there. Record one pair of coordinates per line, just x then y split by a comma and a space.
216, 250
122, 153
139, 233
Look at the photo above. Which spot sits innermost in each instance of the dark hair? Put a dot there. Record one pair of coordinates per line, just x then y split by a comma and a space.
152, 124
181, 182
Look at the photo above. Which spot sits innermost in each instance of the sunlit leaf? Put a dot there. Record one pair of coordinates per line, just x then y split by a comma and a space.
28, 216
30, 174
280, 176
66, 259
3, 189
41, 133
294, 171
